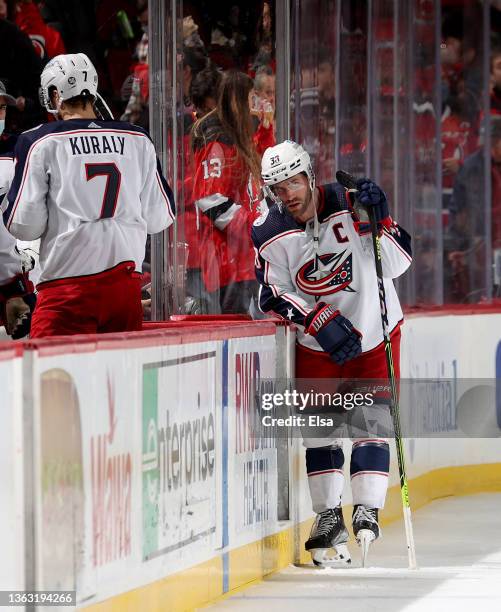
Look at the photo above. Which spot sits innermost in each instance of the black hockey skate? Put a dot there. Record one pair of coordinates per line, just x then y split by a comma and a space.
365, 527
329, 531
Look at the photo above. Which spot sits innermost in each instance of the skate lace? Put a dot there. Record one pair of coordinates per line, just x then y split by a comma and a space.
325, 522
364, 514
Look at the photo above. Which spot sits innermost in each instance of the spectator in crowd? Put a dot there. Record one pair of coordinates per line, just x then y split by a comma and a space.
264, 84
264, 38
226, 191
195, 59
75, 21
495, 83
118, 30
20, 69
204, 94
263, 105
327, 117
459, 56
465, 239
137, 110
47, 41
191, 37
204, 89
7, 141
456, 138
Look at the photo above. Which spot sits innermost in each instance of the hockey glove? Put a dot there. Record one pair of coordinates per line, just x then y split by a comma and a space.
372, 196
335, 334
17, 302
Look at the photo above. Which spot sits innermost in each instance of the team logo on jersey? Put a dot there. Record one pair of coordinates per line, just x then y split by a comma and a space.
327, 274
262, 217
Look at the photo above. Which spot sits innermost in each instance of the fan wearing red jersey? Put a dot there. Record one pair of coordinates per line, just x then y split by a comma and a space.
92, 190
226, 188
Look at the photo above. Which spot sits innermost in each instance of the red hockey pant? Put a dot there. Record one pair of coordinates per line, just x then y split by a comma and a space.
106, 302
315, 364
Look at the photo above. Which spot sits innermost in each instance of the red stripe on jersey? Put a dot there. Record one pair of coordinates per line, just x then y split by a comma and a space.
268, 242
336, 214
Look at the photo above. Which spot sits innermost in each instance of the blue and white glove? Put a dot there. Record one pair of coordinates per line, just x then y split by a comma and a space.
335, 333
372, 196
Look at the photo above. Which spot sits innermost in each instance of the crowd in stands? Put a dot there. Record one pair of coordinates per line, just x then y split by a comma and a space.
229, 50
467, 219
228, 111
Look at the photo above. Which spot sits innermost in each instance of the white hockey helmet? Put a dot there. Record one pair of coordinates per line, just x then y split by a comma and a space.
72, 75
285, 160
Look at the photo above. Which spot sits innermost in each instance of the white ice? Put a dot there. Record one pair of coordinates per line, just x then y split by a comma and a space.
458, 545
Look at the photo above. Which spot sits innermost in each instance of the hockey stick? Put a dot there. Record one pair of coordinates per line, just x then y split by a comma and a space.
348, 181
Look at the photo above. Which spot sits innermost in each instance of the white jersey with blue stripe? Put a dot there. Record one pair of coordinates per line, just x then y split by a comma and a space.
91, 190
293, 280
10, 261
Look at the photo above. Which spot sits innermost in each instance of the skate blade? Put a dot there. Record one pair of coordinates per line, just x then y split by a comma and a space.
365, 537
321, 558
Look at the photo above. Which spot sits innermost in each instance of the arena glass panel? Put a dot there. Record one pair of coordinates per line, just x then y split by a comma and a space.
229, 46
163, 93
425, 286
470, 135
384, 95
314, 69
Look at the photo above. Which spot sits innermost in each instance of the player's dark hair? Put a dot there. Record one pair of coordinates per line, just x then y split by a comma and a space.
80, 101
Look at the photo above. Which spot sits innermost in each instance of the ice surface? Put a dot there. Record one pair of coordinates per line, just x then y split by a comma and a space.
458, 545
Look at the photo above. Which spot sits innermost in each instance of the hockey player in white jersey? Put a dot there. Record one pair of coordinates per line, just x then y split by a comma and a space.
16, 291
17, 298
92, 190
315, 264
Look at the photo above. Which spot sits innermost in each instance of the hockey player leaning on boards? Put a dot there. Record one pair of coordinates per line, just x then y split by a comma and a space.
316, 267
16, 290
91, 189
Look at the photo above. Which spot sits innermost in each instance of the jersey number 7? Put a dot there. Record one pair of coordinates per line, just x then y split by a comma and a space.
113, 181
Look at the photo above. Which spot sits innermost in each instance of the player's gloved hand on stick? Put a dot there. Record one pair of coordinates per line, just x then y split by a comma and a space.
335, 333
372, 196
17, 302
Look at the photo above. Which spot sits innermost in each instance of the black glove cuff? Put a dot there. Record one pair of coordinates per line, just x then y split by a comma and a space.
19, 286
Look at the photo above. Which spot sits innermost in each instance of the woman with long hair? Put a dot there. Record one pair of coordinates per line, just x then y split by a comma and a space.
226, 192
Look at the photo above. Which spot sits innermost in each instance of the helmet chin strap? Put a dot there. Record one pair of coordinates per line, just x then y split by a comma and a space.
316, 232
316, 225
106, 107
53, 111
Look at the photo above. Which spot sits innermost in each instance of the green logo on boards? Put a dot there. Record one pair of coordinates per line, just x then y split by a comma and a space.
150, 463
